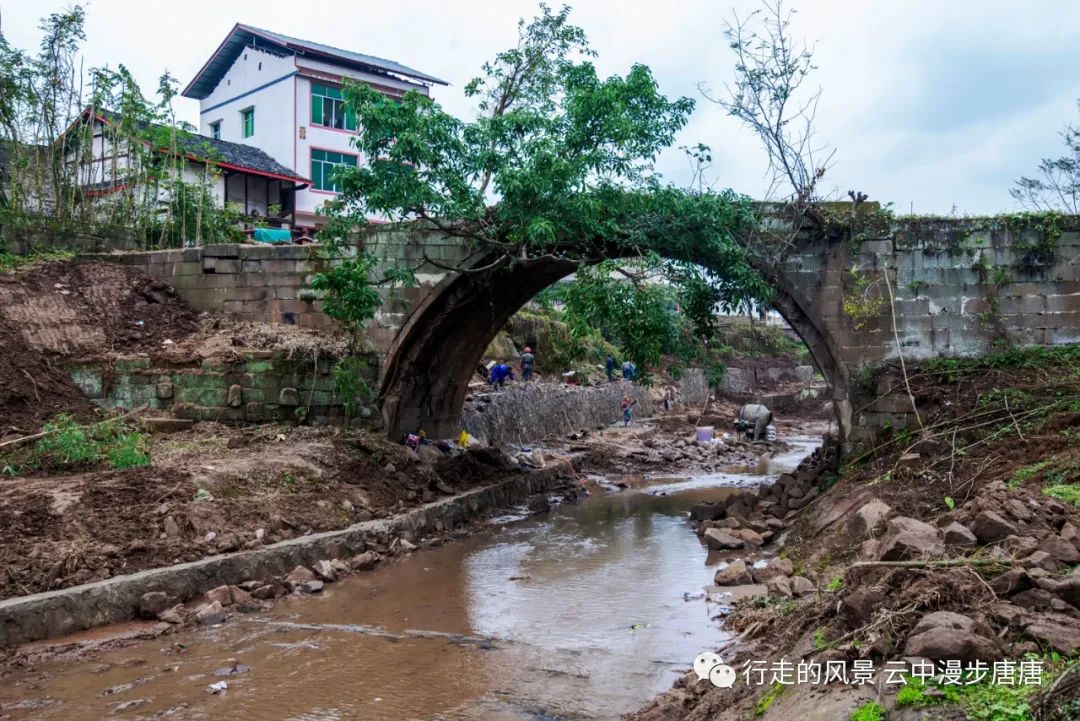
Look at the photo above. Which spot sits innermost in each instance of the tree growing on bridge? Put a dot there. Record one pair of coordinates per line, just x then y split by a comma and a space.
1057, 187
558, 162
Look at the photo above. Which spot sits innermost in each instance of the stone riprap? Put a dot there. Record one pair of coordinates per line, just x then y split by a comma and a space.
525, 412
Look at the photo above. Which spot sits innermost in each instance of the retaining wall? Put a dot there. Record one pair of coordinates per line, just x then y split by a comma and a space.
271, 284
259, 386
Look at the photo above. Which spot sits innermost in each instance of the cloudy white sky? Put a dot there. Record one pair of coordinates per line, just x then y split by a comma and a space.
935, 106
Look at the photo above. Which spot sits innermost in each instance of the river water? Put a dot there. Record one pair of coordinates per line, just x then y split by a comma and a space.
585, 612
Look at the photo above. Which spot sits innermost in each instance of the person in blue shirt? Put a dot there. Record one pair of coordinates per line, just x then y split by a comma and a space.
629, 370
609, 365
500, 372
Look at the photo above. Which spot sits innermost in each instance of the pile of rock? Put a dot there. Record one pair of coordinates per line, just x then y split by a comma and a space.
1023, 543
214, 605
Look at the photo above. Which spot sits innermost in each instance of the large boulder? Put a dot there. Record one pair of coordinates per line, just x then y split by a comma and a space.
1059, 632
801, 586
1011, 581
989, 527
1066, 588
943, 619
945, 643
221, 595
364, 561
154, 603
869, 519
957, 534
706, 511
1043, 560
324, 571
751, 539
299, 576
1060, 549
775, 567
908, 538
859, 606
717, 540
734, 574
210, 613
779, 586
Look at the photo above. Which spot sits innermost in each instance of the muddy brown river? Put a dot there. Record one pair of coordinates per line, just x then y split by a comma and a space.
585, 612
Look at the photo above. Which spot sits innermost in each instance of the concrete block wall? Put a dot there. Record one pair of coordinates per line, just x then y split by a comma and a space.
258, 387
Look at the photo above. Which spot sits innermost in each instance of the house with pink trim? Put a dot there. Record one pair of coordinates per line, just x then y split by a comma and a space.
283, 96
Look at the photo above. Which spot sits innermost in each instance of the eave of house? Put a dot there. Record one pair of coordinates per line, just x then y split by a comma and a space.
243, 36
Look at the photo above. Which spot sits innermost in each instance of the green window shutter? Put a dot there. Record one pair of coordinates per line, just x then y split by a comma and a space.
318, 89
349, 160
318, 155
316, 109
316, 174
350, 118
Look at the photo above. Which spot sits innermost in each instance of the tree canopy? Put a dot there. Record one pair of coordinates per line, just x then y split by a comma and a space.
558, 161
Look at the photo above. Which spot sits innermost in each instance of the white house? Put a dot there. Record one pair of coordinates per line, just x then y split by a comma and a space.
283, 96
102, 163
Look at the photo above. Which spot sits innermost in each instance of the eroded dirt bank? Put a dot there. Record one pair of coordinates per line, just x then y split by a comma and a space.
957, 542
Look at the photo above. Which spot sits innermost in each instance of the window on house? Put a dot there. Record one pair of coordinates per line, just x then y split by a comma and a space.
329, 110
248, 117
323, 164
215, 130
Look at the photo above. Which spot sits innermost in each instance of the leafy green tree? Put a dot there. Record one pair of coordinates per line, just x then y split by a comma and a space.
640, 317
558, 161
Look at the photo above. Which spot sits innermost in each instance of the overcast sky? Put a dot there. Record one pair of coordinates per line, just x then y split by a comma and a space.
935, 106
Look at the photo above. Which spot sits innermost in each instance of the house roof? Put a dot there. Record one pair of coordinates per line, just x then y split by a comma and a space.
231, 156
242, 36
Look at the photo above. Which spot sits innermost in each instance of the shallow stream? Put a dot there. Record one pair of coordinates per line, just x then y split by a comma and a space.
585, 612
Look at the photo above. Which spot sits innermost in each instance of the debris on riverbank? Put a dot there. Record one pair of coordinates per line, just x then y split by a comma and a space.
959, 543
215, 489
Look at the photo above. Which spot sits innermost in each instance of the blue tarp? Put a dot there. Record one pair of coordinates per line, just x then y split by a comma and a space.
272, 235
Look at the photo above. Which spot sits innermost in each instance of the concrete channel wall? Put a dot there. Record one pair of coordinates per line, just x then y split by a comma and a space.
64, 611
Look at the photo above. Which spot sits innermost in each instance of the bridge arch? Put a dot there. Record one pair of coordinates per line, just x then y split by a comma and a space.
428, 366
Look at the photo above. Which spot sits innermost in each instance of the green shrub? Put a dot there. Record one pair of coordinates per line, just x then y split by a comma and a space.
128, 450
68, 446
869, 711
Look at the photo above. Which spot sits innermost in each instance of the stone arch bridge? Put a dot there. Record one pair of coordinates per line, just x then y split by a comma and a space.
958, 287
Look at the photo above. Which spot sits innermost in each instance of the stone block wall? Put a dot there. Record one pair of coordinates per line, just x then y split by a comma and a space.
271, 284
259, 387
960, 287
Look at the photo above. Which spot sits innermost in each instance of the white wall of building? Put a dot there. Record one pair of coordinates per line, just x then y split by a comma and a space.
243, 87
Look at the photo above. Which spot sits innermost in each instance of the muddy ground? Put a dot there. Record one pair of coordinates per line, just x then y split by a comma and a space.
214, 489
